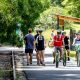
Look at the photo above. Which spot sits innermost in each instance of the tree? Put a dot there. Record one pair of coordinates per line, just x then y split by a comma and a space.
13, 12
72, 7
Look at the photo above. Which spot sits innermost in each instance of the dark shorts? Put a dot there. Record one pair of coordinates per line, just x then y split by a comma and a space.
40, 48
67, 47
28, 50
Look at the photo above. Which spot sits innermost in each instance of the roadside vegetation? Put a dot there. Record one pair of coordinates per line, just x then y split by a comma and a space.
16, 16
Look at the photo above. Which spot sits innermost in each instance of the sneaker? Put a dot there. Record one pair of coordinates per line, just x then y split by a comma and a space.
42, 63
68, 59
30, 62
27, 64
38, 63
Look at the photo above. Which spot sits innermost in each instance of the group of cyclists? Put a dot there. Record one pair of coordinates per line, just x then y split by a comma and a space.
37, 42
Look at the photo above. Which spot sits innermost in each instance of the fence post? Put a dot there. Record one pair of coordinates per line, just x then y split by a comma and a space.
14, 70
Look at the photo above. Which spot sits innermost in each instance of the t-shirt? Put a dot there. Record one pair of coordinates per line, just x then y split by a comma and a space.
66, 38
29, 38
58, 40
40, 42
77, 41
36, 36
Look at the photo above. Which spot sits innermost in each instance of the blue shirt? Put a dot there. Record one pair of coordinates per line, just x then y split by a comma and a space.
29, 38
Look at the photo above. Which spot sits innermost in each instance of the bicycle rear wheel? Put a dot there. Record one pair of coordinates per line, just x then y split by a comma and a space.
64, 58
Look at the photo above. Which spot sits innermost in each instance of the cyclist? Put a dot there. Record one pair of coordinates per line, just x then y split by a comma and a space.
57, 42
66, 44
77, 40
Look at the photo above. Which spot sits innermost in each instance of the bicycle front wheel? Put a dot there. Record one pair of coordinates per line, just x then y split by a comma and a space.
64, 58
57, 59
78, 58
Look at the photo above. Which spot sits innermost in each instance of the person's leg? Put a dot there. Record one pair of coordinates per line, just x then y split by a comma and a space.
42, 57
68, 54
54, 53
27, 55
30, 54
61, 52
38, 55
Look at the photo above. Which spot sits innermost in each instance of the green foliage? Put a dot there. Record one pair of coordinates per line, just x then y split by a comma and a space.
72, 7
24, 12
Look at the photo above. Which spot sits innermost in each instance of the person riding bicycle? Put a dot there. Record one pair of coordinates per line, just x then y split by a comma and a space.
77, 40
66, 44
58, 42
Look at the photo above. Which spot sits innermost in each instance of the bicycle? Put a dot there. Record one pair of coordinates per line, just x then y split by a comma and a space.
58, 57
77, 47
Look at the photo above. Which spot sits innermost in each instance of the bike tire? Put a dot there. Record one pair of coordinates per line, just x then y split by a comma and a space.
78, 58
57, 59
64, 58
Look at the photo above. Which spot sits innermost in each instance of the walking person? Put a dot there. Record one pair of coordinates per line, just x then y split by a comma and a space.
37, 34
40, 48
29, 46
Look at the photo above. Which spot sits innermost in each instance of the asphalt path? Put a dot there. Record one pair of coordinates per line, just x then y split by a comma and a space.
49, 71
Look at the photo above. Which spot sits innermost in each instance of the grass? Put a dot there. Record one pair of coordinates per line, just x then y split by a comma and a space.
76, 27
72, 53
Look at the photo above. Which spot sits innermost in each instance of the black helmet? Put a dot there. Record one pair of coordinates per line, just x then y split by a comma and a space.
63, 32
58, 31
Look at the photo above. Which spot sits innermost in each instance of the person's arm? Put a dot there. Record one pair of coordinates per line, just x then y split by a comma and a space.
74, 41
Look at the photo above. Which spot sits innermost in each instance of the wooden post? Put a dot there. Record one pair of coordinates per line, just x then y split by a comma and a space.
57, 22
63, 28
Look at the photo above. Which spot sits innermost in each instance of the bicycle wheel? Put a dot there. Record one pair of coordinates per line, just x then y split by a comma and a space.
78, 58
57, 59
64, 58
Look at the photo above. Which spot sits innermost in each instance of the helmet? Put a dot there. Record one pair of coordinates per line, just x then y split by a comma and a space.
63, 32
58, 31
40, 30
78, 33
